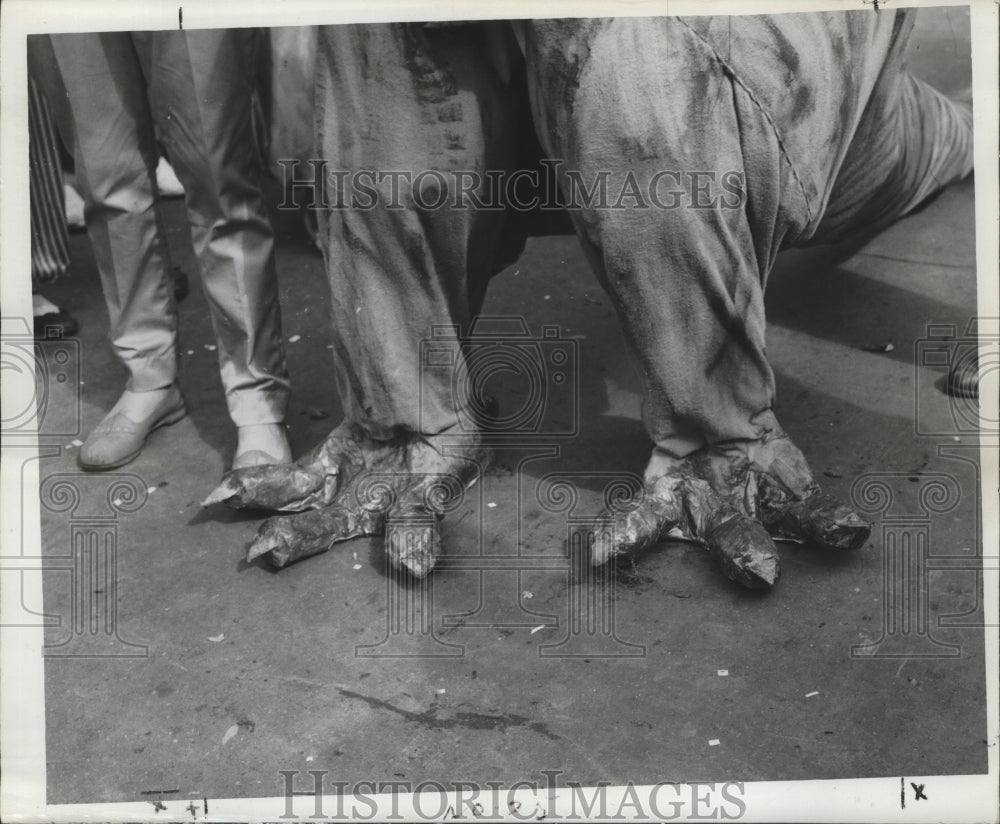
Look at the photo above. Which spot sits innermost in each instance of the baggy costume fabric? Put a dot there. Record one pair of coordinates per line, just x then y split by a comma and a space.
196, 87
405, 98
815, 111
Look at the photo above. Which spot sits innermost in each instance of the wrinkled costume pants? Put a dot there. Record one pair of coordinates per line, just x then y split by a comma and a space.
813, 112
195, 86
405, 98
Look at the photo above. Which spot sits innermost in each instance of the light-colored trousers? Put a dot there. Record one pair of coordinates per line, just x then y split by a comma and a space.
195, 86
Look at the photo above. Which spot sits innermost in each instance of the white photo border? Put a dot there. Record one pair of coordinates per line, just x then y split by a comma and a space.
22, 694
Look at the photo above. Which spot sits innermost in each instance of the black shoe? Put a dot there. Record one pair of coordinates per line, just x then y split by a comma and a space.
963, 378
59, 324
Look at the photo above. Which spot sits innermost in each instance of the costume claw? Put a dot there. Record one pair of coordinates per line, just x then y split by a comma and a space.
269, 540
286, 540
822, 520
744, 550
277, 487
412, 541
628, 533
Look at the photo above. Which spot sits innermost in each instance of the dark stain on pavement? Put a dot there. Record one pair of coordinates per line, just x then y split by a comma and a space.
469, 720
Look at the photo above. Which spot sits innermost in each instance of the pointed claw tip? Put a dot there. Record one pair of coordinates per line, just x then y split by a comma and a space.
752, 570
413, 547
261, 546
609, 538
418, 569
255, 551
600, 557
595, 549
271, 555
417, 563
847, 532
764, 573
223, 492
852, 539
604, 552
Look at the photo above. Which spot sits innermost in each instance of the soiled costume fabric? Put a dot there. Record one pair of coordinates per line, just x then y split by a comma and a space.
834, 139
813, 115
405, 98
196, 87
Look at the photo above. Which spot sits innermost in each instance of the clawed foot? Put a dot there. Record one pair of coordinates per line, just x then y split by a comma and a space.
352, 485
733, 500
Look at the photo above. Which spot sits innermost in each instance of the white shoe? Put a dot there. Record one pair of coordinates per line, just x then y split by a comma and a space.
119, 438
260, 445
74, 207
166, 180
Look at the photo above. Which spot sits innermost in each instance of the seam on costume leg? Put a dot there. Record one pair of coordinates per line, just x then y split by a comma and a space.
731, 72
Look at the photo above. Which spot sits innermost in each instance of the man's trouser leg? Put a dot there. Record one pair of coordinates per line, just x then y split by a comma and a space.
200, 91
115, 155
49, 236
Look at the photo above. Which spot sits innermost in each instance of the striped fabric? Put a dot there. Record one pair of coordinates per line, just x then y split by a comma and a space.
49, 236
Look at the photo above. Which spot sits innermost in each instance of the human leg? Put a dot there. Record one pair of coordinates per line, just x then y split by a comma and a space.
201, 98
114, 155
